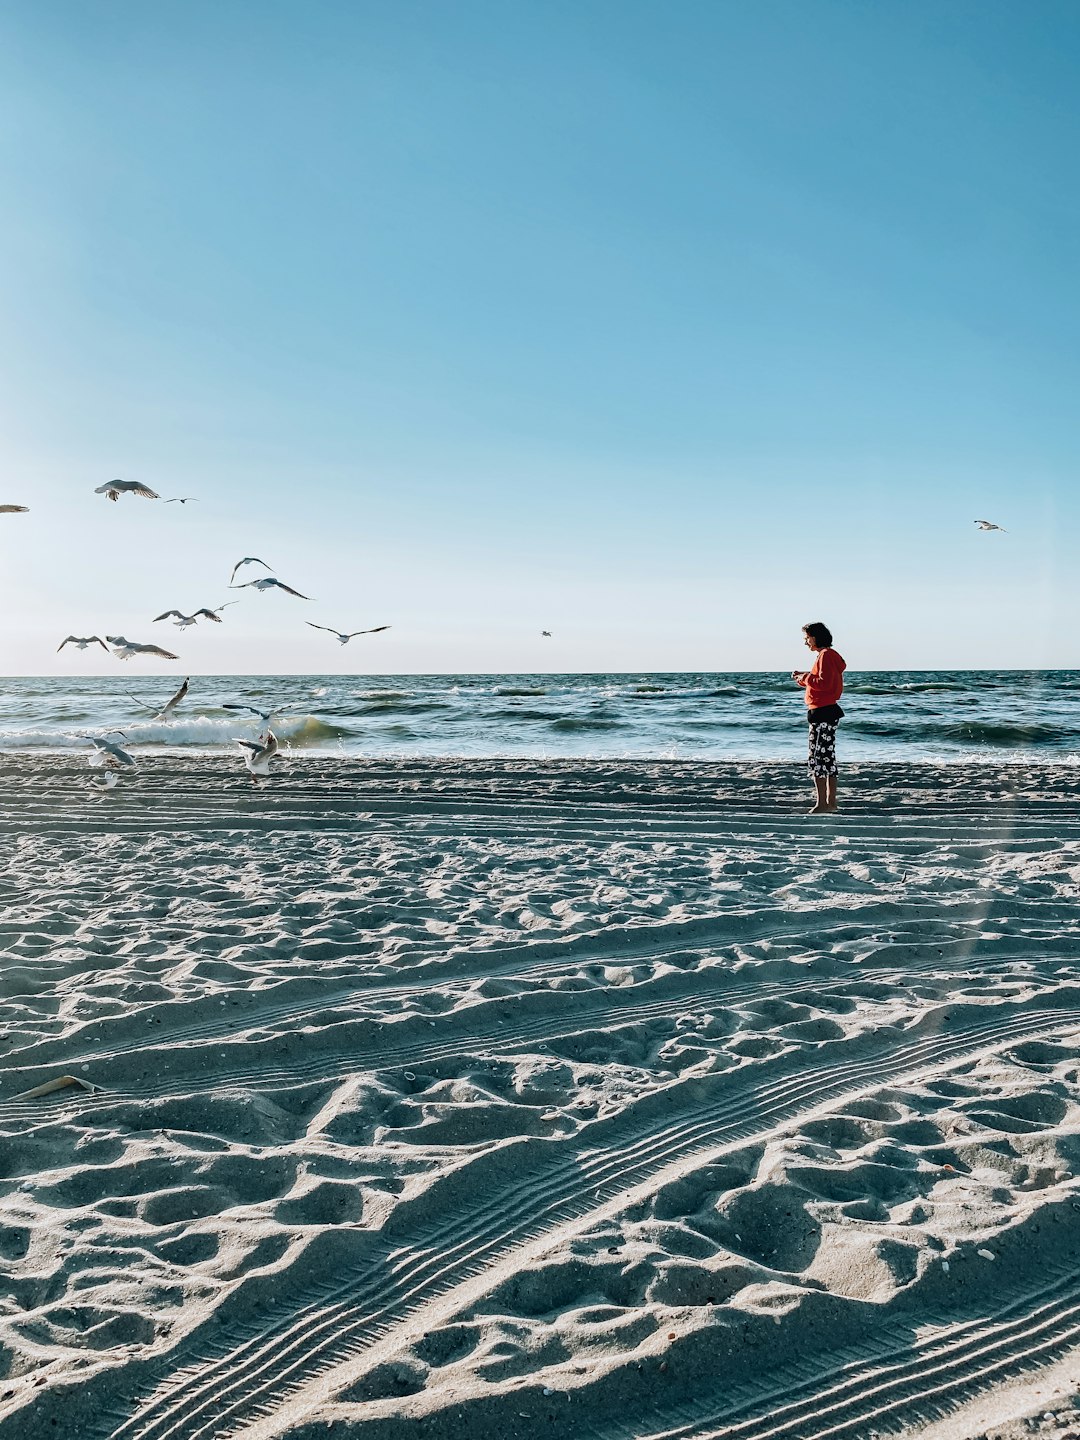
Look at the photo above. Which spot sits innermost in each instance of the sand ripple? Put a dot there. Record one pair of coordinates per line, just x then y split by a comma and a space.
486, 1099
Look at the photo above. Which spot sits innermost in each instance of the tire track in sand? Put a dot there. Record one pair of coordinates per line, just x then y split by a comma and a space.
240, 1377
614, 1007
911, 1377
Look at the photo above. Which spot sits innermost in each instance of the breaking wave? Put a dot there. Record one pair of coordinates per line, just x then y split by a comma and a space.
996, 716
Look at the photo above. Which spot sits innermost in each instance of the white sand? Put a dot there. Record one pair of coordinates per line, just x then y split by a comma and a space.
516, 1099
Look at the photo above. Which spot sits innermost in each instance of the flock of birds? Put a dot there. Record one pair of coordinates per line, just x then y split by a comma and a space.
257, 754
124, 649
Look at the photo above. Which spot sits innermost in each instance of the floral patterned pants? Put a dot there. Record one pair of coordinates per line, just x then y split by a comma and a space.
821, 760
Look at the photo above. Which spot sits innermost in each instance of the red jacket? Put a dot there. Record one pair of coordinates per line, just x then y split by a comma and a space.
824, 681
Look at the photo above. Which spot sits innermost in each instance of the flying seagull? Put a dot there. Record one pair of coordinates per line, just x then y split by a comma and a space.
342, 636
545, 632
170, 705
265, 715
183, 621
181, 499
248, 560
115, 488
82, 641
266, 583
14, 509
989, 525
109, 753
124, 649
258, 754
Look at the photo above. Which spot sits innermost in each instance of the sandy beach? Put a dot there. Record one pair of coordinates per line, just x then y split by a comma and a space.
486, 1099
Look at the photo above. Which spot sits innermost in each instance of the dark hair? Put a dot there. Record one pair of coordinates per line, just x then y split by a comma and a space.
819, 633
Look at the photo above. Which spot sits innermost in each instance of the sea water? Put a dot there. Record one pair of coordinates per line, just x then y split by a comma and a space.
1028, 716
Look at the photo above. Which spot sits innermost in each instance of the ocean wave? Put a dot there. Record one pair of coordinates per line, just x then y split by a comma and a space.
928, 687
523, 714
988, 733
900, 714
298, 731
975, 732
570, 723
402, 706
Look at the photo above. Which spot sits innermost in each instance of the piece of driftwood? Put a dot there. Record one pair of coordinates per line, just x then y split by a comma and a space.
60, 1083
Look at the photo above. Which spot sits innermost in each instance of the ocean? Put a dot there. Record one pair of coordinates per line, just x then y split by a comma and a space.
1031, 716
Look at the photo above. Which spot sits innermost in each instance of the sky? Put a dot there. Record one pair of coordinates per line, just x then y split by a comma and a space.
663, 325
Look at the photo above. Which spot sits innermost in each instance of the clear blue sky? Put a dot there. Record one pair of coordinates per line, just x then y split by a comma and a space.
665, 326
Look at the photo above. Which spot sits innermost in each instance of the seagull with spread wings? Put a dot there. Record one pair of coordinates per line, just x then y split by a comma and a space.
124, 649
109, 753
989, 525
14, 509
181, 499
268, 583
258, 754
182, 622
82, 641
345, 636
115, 488
248, 560
266, 716
165, 711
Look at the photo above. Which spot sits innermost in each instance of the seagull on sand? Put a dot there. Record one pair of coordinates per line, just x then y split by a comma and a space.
124, 649
115, 488
109, 753
258, 754
183, 621
82, 641
267, 583
989, 525
14, 509
344, 637
165, 712
248, 560
108, 781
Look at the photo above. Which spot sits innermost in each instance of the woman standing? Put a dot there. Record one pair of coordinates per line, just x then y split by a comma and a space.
823, 684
